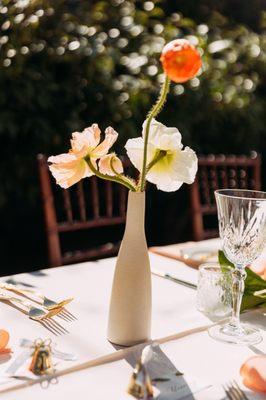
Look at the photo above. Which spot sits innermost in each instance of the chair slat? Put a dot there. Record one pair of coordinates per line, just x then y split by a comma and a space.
205, 185
256, 173
95, 197
81, 201
96, 223
243, 177
109, 198
82, 219
67, 205
224, 177
102, 251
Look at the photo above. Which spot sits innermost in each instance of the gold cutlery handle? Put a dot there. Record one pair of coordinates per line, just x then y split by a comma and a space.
15, 289
15, 300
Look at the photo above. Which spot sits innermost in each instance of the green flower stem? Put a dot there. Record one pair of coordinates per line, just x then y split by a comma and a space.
125, 178
119, 179
160, 154
152, 114
113, 168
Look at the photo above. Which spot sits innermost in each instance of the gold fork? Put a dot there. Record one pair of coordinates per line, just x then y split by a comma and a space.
34, 313
234, 392
46, 303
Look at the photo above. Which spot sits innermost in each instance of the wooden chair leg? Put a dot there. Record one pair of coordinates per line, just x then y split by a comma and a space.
54, 249
53, 242
196, 215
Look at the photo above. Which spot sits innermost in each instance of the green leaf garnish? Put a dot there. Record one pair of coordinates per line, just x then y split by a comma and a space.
255, 286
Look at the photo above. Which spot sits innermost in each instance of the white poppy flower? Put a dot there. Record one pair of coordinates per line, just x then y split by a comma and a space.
176, 167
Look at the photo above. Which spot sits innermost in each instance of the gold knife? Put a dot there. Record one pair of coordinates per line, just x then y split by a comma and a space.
173, 278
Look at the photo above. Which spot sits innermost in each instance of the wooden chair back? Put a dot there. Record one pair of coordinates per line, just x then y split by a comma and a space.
219, 172
91, 203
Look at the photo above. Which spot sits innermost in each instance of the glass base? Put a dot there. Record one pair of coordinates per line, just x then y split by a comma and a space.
242, 335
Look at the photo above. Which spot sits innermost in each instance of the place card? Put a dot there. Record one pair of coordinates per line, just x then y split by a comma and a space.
177, 387
167, 381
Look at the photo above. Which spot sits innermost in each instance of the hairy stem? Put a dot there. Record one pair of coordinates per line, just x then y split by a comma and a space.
152, 114
119, 175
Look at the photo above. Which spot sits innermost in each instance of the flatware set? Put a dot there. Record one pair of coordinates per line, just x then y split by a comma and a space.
45, 310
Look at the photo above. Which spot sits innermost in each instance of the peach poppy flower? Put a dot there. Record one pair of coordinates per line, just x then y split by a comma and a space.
107, 162
180, 60
71, 167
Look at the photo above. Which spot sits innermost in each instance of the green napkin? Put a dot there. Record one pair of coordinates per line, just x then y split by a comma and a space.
255, 286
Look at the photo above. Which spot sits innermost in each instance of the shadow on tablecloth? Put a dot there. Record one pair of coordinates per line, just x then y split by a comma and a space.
160, 366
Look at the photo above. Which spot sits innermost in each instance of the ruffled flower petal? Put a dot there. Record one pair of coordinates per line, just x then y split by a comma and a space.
107, 162
162, 137
68, 169
102, 149
134, 148
64, 158
185, 165
84, 142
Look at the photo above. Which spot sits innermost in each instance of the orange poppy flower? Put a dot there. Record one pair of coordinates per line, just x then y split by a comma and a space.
180, 60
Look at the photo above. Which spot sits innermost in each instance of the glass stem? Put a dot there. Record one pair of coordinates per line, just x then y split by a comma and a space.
239, 276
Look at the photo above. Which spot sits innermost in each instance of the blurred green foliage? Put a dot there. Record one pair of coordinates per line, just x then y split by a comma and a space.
65, 64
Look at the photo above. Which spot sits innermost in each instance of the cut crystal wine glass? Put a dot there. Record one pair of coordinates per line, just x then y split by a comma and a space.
242, 226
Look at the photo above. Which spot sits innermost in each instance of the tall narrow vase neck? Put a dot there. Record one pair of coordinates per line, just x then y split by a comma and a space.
135, 219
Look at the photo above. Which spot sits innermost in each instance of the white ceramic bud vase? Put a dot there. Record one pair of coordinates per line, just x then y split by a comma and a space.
130, 307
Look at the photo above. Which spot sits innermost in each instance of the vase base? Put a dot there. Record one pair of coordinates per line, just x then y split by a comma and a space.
127, 344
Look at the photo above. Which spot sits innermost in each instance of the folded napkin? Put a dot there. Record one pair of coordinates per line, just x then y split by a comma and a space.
192, 254
174, 251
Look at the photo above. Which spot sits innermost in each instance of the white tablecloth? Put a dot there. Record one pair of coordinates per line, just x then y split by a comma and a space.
173, 312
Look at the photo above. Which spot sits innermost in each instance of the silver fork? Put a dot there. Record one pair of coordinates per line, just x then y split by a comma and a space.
233, 391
